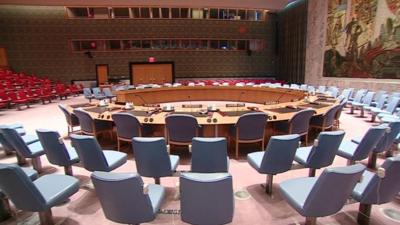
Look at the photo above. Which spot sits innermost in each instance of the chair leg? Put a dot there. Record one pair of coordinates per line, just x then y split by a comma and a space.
362, 112
364, 213
157, 180
350, 162
373, 117
268, 186
37, 164
372, 160
311, 172
237, 148
306, 137
68, 170
21, 160
46, 217
118, 144
311, 221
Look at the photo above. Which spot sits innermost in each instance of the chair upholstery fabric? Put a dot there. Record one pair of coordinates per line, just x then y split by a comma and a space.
181, 128
128, 126
209, 155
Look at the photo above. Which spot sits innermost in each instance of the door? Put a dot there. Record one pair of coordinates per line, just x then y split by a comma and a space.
102, 74
3, 58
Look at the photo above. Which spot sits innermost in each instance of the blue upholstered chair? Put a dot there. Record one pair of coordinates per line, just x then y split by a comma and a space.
98, 94
125, 199
206, 198
314, 197
377, 189
298, 124
277, 158
152, 158
6, 146
321, 89
379, 104
56, 151
128, 126
322, 153
72, 120
25, 146
108, 94
390, 108
91, 126
356, 152
338, 113
326, 120
366, 101
346, 93
88, 94
181, 129
250, 128
93, 157
209, 155
358, 98
378, 96
37, 196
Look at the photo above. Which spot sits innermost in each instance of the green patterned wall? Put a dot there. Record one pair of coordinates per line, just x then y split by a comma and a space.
37, 41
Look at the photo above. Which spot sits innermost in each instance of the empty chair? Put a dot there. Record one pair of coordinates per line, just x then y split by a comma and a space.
31, 149
6, 146
377, 188
390, 108
125, 199
357, 98
181, 129
128, 126
380, 103
56, 151
87, 93
277, 158
298, 124
377, 97
338, 113
321, 89
152, 158
72, 120
314, 197
326, 120
250, 128
303, 87
37, 196
93, 157
209, 155
367, 100
333, 91
322, 153
206, 198
108, 94
91, 126
346, 93
98, 94
356, 152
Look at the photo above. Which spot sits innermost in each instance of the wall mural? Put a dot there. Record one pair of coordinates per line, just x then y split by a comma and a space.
363, 39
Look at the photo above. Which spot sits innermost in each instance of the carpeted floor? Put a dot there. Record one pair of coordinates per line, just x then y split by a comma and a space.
258, 208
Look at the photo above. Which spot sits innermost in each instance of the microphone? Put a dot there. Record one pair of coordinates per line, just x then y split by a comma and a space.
237, 104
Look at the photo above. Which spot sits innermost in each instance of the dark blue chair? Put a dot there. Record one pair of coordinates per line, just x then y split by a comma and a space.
206, 198
37, 196
181, 129
250, 128
56, 151
72, 120
326, 120
321, 196
125, 199
91, 126
209, 155
93, 157
152, 158
277, 158
298, 124
128, 126
322, 153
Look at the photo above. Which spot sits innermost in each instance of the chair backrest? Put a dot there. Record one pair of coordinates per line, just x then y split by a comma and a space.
128, 126
54, 148
107, 92
388, 137
151, 156
66, 113
96, 91
181, 128
368, 98
209, 155
279, 154
300, 122
340, 109
359, 95
7, 146
332, 190
346, 93
381, 101
334, 91
87, 92
89, 152
16, 141
121, 197
20, 189
323, 151
369, 142
383, 190
206, 198
392, 104
378, 95
321, 89
329, 115
251, 126
85, 120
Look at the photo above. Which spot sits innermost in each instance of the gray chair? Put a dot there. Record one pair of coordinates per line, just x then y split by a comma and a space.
91, 126
72, 120
25, 146
314, 197
128, 126
326, 120
98, 94
322, 153
209, 155
298, 124
356, 152
93, 157
181, 129
37, 196
389, 109
377, 188
125, 199
367, 100
87, 93
206, 199
152, 158
56, 151
250, 128
277, 158
107, 92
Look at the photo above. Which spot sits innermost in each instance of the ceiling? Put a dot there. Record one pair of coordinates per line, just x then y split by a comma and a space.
272, 5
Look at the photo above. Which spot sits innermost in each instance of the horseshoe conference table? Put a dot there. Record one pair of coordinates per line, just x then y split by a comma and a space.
228, 102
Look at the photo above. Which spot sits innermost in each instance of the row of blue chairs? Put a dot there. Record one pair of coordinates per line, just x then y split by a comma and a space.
98, 93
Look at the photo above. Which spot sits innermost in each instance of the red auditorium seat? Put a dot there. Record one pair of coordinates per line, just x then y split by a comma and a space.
18, 100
